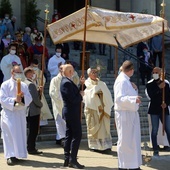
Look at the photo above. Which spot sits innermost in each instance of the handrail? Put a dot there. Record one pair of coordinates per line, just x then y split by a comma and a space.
137, 59
41, 19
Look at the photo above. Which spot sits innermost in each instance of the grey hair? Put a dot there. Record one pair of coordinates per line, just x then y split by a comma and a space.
88, 71
27, 29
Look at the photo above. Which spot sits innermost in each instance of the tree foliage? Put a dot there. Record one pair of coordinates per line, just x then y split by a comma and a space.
31, 13
5, 7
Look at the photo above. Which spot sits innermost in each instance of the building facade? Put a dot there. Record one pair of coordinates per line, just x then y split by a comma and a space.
66, 7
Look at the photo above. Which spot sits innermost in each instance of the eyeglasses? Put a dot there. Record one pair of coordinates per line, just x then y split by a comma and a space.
18, 72
94, 72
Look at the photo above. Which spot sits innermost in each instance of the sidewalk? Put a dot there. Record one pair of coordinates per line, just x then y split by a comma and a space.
52, 158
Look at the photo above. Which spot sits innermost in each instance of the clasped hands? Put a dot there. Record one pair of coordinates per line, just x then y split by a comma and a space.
19, 97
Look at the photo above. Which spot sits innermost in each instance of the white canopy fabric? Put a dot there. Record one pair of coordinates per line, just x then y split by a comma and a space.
107, 27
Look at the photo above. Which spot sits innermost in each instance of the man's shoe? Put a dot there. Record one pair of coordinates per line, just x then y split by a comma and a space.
166, 148
66, 163
58, 142
10, 162
14, 159
76, 165
156, 153
35, 152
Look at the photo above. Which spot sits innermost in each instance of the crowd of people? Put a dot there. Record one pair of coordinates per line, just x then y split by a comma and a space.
24, 105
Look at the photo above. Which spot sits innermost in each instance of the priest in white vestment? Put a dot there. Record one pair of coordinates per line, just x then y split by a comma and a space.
126, 105
13, 117
57, 104
55, 61
97, 110
9, 61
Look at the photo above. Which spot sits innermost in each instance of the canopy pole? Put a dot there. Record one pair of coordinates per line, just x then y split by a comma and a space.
84, 38
83, 54
44, 45
116, 62
163, 65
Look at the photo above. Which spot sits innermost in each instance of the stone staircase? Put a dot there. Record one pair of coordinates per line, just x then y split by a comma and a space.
49, 132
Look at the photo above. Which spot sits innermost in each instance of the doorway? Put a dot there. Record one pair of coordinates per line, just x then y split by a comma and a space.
67, 7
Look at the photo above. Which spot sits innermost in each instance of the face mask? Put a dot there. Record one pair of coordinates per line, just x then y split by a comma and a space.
58, 54
145, 51
35, 68
33, 76
38, 44
8, 36
155, 76
17, 76
6, 17
12, 52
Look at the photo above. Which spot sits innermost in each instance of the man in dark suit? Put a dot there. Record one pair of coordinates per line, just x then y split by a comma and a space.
34, 111
71, 112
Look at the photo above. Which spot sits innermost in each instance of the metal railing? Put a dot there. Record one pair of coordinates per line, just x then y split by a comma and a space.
126, 52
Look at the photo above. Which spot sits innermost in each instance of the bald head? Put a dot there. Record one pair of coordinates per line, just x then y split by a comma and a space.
67, 70
16, 70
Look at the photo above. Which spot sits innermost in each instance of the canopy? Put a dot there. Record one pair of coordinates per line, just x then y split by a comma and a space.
107, 27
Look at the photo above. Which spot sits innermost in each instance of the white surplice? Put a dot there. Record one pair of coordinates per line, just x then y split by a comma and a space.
6, 65
127, 123
57, 104
53, 63
13, 119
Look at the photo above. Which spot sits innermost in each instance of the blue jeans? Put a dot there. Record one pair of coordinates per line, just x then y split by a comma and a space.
155, 125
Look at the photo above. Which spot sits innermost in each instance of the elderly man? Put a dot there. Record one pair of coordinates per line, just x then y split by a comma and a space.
34, 111
126, 107
72, 98
13, 116
98, 104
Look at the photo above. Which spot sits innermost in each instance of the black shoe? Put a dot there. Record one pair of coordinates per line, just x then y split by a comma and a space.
14, 159
35, 152
166, 148
10, 162
122, 169
58, 142
66, 163
76, 165
156, 153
